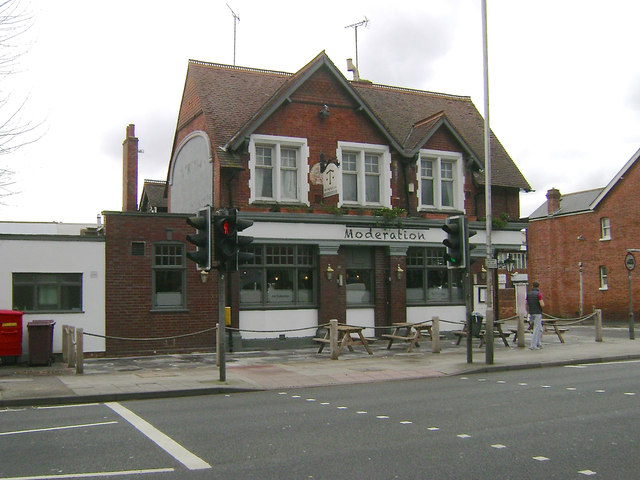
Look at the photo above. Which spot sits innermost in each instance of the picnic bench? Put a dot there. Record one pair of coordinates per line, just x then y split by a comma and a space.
559, 330
407, 332
497, 332
344, 338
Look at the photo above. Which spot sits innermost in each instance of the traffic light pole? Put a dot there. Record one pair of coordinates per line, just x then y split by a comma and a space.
221, 326
488, 331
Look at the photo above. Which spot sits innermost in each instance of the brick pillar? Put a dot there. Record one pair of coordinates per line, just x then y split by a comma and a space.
130, 171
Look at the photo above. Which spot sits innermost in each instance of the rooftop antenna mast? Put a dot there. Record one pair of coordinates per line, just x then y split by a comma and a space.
355, 26
236, 19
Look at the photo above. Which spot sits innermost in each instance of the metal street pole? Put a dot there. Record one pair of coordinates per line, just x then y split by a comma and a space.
487, 176
221, 326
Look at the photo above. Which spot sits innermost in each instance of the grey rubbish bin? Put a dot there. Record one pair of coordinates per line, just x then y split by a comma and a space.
476, 323
40, 342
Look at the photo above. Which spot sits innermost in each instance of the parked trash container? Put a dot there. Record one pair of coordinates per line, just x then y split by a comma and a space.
40, 342
476, 323
10, 335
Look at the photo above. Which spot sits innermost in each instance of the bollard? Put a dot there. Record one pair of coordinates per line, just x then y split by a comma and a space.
71, 361
598, 322
521, 319
65, 344
217, 344
333, 338
435, 334
79, 351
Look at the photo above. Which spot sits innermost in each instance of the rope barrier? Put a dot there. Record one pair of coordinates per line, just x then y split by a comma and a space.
570, 321
111, 337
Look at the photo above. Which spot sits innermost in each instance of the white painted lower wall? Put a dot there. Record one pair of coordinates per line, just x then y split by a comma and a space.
363, 317
261, 324
451, 318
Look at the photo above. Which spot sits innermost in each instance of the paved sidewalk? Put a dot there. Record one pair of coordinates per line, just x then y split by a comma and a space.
115, 379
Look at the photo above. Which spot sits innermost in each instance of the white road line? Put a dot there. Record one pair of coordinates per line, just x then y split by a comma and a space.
93, 474
587, 472
51, 429
173, 448
68, 406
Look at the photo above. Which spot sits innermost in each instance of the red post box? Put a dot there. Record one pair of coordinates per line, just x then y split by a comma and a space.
10, 333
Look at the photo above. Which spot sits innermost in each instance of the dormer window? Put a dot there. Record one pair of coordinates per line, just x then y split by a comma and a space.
279, 169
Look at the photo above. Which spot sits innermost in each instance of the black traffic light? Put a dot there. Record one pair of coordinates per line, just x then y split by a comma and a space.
228, 243
201, 239
456, 241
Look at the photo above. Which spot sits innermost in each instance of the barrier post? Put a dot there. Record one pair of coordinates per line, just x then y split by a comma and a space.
65, 344
435, 334
333, 338
71, 347
598, 322
521, 330
79, 350
217, 344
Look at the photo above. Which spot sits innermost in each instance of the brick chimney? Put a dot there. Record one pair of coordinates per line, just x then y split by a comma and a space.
130, 171
553, 201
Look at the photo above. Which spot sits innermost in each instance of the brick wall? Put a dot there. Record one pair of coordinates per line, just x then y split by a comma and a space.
558, 244
129, 289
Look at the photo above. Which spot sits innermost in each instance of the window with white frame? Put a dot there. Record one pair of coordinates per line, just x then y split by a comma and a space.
366, 174
441, 180
279, 168
605, 229
169, 279
604, 285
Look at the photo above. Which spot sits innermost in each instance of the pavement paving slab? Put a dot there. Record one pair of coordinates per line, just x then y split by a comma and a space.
111, 379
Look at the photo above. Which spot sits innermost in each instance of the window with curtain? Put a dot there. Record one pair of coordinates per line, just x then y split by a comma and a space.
428, 279
279, 276
359, 281
441, 181
366, 174
279, 169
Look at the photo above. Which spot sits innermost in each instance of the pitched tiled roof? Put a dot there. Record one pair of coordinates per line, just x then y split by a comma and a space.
153, 195
235, 100
570, 203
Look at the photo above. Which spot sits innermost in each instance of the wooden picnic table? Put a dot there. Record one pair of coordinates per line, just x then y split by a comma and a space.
345, 339
408, 332
497, 330
549, 322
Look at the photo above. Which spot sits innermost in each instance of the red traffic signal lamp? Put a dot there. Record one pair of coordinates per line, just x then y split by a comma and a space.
201, 239
228, 243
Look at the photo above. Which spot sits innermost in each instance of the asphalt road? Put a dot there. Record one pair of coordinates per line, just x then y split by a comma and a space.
553, 423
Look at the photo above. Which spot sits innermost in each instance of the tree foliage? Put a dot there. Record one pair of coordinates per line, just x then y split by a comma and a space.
15, 130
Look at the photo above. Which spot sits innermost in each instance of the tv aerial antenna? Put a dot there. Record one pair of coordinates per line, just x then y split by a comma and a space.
362, 23
236, 19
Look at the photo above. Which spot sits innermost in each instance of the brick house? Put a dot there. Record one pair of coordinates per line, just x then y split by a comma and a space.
348, 184
577, 246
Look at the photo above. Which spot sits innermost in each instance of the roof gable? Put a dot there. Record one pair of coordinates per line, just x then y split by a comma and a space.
614, 181
289, 87
235, 101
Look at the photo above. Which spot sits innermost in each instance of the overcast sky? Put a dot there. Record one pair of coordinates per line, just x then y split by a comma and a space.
564, 81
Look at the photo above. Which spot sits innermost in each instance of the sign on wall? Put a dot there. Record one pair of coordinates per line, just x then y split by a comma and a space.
330, 180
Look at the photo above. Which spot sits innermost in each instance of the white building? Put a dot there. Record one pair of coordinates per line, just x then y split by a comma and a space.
54, 271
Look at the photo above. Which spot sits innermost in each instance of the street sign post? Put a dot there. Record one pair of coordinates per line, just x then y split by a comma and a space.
630, 263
